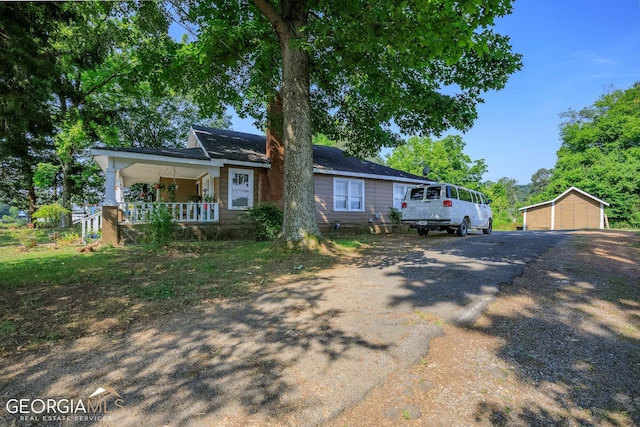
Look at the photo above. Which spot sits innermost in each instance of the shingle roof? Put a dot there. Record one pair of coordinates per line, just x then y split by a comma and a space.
230, 145
245, 147
334, 159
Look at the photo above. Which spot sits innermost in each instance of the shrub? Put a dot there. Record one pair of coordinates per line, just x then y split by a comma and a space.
51, 214
25, 236
266, 220
396, 215
159, 226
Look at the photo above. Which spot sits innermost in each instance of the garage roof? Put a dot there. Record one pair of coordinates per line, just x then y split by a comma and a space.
572, 188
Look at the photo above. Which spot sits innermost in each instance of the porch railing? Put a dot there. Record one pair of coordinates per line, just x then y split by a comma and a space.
91, 224
138, 212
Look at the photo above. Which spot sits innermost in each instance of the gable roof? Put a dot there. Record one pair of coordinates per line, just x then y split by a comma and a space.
572, 188
231, 145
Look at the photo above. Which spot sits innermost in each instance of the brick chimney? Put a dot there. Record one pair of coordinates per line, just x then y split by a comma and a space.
273, 189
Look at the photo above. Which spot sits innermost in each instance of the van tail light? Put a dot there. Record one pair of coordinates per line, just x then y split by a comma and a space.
404, 205
447, 203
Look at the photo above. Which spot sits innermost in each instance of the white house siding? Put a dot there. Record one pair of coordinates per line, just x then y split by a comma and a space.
378, 198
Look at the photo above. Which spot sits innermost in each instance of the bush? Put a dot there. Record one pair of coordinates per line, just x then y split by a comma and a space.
266, 220
159, 226
27, 237
396, 215
51, 214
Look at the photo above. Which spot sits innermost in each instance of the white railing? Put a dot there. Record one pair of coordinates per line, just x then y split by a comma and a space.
90, 224
138, 212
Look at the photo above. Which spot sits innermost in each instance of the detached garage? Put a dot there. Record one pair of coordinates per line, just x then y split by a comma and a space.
572, 210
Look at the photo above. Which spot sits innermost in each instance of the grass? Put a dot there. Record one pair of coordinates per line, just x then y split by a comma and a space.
51, 293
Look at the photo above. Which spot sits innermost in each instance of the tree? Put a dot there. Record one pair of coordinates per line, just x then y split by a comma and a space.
28, 70
539, 181
505, 199
446, 160
349, 69
600, 154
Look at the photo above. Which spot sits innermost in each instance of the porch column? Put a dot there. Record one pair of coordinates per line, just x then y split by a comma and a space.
110, 185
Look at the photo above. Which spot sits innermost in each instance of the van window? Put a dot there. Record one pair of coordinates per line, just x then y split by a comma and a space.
452, 192
433, 193
464, 195
417, 193
482, 199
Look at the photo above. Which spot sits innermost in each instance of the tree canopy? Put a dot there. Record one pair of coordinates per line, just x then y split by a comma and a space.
600, 154
76, 74
352, 70
445, 158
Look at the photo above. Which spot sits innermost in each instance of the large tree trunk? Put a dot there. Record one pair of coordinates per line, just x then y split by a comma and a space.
299, 194
299, 208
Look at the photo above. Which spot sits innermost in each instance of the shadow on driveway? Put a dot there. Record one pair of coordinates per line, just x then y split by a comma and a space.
297, 354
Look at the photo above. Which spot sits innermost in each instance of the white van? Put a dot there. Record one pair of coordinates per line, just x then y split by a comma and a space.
442, 206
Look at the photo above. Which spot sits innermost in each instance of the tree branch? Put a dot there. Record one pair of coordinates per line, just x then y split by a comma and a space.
279, 25
102, 84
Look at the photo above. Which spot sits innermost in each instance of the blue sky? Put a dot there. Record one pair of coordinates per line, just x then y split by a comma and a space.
573, 52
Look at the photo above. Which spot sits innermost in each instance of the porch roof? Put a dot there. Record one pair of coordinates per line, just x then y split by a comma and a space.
140, 165
182, 153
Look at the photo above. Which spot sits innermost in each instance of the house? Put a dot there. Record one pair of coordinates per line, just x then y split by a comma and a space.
574, 209
222, 173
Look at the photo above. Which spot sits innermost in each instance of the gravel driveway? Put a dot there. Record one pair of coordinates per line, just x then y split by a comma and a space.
298, 354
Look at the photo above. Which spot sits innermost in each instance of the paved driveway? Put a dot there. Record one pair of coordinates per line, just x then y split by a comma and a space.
296, 354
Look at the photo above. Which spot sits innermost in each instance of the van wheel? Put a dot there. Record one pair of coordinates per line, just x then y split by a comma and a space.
423, 231
462, 228
489, 228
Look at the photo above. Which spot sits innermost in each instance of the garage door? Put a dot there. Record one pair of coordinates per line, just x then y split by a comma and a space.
572, 216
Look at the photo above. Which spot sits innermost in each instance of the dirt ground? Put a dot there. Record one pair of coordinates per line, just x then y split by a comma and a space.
559, 346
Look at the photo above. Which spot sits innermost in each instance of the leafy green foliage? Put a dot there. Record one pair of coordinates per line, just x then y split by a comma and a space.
27, 237
395, 215
445, 158
45, 175
51, 214
600, 154
504, 202
266, 220
159, 226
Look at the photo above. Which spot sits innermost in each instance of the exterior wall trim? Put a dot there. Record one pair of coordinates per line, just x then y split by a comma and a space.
369, 176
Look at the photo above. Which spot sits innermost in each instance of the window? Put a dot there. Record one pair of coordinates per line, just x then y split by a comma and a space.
240, 189
417, 193
348, 195
399, 190
433, 193
464, 195
452, 192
